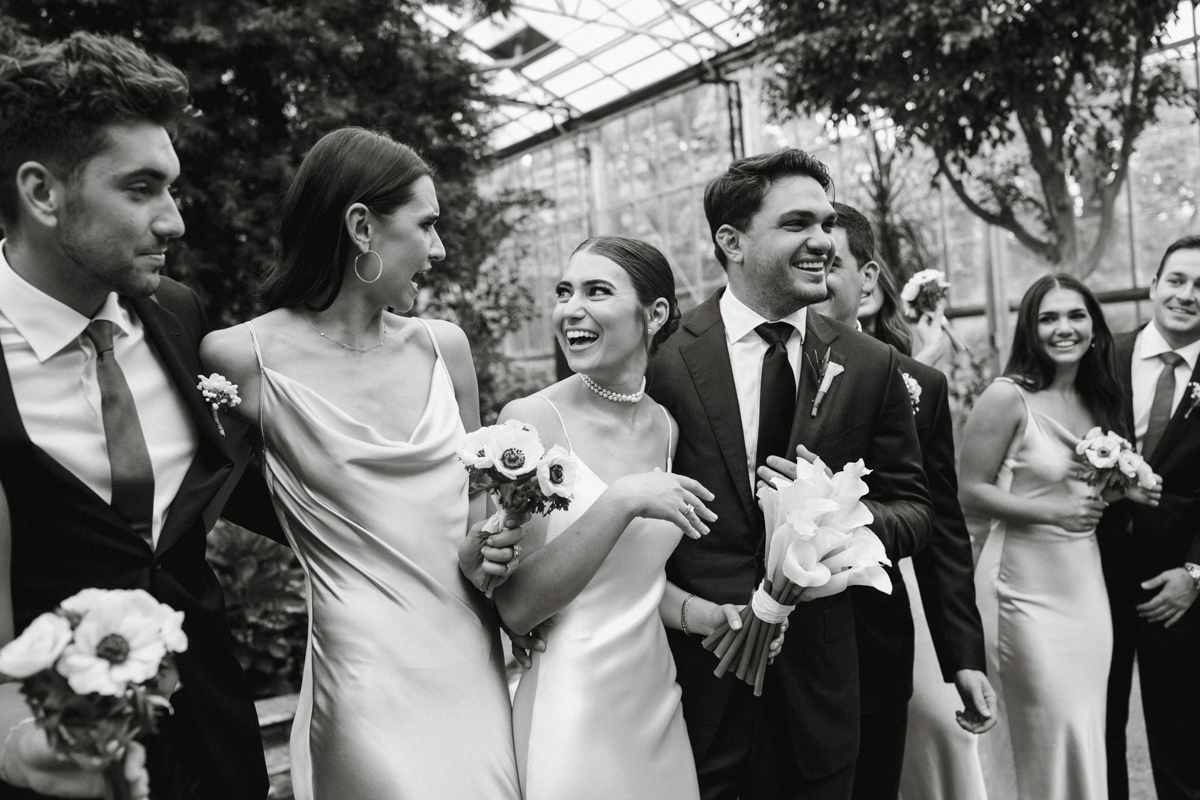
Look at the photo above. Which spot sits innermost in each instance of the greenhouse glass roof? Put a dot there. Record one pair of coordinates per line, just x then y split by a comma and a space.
554, 60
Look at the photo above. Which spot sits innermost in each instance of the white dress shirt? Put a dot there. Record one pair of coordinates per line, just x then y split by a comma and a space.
52, 366
1146, 369
746, 351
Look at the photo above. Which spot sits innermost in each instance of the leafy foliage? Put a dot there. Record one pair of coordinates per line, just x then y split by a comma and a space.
270, 78
1030, 108
265, 601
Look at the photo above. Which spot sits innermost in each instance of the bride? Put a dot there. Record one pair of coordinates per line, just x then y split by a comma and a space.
598, 715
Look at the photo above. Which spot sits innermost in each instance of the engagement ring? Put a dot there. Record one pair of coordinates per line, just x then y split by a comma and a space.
516, 552
689, 509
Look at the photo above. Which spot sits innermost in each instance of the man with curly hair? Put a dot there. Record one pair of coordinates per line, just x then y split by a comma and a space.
113, 465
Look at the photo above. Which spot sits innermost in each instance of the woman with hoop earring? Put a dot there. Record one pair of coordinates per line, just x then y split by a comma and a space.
360, 413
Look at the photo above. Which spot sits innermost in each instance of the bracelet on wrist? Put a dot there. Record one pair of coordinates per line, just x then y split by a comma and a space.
683, 614
4, 773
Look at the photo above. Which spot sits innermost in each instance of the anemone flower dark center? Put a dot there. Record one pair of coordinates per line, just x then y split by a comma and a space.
556, 473
113, 648
513, 458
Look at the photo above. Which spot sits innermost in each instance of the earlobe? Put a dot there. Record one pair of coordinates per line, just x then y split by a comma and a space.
40, 193
358, 225
729, 240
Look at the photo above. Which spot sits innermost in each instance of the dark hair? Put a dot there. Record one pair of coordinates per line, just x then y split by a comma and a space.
57, 99
1183, 243
347, 166
648, 271
1096, 382
859, 235
890, 325
736, 196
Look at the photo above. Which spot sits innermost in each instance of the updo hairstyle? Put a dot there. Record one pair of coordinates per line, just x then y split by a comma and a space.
648, 271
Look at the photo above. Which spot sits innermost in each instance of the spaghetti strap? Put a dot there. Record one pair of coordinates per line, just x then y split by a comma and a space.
1020, 390
262, 387
257, 351
432, 338
670, 437
570, 446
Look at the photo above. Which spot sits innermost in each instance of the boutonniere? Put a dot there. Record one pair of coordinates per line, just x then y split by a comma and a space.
1193, 395
218, 393
828, 371
914, 390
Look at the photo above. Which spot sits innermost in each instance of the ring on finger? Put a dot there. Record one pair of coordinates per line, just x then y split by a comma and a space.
508, 566
516, 552
688, 510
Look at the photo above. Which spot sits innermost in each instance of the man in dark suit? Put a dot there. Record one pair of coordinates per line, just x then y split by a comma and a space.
1151, 554
944, 568
113, 465
742, 376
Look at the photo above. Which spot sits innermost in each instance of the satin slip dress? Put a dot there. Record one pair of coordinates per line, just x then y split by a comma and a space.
403, 695
598, 715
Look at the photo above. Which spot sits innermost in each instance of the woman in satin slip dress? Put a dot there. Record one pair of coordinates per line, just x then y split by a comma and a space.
361, 412
598, 714
1038, 580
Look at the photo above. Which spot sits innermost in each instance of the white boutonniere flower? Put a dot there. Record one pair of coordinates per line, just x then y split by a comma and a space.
218, 393
914, 390
829, 371
1193, 398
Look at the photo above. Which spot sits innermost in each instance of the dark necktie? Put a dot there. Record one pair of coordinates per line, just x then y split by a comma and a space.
777, 394
1160, 409
132, 474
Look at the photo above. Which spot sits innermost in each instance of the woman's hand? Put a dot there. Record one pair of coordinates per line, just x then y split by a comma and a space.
934, 344
1077, 514
496, 555
705, 617
664, 495
29, 761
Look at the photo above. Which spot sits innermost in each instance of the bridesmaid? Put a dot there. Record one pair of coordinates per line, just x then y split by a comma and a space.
1038, 580
360, 413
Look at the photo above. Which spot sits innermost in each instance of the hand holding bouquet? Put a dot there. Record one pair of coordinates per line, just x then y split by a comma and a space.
817, 545
925, 293
1111, 464
96, 673
510, 461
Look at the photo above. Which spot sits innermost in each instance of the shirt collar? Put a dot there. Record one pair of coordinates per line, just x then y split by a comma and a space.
741, 320
47, 324
1151, 344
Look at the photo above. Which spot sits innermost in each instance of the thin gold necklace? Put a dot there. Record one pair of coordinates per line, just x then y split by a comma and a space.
345, 346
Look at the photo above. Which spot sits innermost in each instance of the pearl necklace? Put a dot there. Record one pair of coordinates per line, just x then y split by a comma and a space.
609, 394
345, 346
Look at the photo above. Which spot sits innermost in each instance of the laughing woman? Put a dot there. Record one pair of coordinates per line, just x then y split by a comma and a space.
598, 715
360, 413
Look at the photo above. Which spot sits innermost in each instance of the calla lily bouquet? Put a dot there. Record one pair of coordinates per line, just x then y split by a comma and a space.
1111, 463
511, 463
818, 544
97, 672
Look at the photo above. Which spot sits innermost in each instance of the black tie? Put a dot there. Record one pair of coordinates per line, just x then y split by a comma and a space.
1164, 398
777, 394
128, 457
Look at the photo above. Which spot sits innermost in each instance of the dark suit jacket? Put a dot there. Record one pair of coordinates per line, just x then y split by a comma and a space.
944, 569
1164, 537
866, 415
65, 538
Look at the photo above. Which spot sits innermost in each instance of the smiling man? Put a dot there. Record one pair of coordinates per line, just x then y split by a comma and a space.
1151, 555
741, 376
113, 466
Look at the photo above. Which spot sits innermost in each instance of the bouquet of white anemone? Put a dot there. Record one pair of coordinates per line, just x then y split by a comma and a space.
1111, 463
97, 672
817, 544
511, 462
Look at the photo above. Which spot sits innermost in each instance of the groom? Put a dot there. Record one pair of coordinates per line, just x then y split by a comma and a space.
742, 376
113, 465
1151, 555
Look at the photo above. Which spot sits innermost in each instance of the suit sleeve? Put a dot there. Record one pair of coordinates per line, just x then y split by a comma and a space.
945, 569
898, 497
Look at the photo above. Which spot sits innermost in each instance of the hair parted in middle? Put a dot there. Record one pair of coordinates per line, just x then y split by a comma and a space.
347, 166
1096, 382
649, 272
734, 197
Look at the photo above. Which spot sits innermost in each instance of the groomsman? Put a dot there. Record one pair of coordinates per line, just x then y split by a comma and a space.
742, 376
113, 465
944, 568
1151, 555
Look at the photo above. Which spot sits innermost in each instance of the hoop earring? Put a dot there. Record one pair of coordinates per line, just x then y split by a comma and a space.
358, 274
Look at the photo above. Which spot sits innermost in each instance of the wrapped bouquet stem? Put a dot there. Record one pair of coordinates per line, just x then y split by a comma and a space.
510, 463
817, 545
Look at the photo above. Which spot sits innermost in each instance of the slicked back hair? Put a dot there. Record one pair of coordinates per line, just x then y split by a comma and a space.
1183, 243
649, 272
58, 99
859, 235
734, 197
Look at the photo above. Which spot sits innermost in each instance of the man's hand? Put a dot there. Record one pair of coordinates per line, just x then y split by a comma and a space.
777, 467
979, 701
29, 762
1177, 592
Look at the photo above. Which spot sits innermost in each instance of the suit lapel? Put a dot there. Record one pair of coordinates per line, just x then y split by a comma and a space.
1176, 427
707, 360
818, 340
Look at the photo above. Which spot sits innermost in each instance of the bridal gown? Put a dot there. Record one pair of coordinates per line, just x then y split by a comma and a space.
598, 715
1048, 633
403, 694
